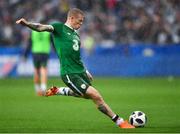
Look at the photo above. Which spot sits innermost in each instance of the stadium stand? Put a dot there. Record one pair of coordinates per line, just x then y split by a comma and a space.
110, 21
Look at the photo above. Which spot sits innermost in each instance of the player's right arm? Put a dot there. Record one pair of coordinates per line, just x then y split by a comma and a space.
35, 26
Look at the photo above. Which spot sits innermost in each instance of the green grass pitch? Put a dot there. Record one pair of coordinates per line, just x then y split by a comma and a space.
21, 111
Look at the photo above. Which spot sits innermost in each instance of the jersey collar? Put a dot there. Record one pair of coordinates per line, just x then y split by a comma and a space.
70, 27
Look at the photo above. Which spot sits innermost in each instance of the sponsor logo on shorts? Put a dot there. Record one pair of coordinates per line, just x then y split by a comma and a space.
83, 86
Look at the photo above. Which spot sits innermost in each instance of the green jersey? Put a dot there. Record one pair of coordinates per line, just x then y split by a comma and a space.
41, 42
67, 45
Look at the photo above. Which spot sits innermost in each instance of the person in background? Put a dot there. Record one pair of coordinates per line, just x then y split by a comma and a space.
40, 46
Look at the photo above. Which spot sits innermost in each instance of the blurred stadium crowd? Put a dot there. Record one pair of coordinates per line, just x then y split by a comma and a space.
107, 21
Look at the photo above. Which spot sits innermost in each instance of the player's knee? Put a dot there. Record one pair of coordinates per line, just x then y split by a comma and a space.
94, 95
99, 97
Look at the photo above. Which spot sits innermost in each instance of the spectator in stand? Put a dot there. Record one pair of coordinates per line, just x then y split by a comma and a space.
122, 21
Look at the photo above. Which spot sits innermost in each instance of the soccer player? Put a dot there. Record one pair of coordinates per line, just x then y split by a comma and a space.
39, 44
73, 73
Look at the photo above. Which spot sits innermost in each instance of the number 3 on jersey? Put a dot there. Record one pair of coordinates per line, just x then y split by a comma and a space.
75, 45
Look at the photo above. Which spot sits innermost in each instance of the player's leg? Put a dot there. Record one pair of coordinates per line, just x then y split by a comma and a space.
36, 79
43, 75
43, 59
78, 85
104, 108
93, 94
65, 91
73, 82
36, 76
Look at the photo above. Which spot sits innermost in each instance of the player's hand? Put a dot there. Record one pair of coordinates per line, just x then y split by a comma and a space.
89, 75
22, 21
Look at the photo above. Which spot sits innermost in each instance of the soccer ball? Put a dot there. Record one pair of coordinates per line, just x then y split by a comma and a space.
138, 119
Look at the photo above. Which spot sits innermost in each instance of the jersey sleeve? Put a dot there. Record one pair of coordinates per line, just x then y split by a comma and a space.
57, 26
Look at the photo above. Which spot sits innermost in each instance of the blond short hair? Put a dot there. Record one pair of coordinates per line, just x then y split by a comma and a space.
74, 12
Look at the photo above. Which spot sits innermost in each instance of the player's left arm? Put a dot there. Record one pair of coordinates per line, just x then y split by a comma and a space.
35, 26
